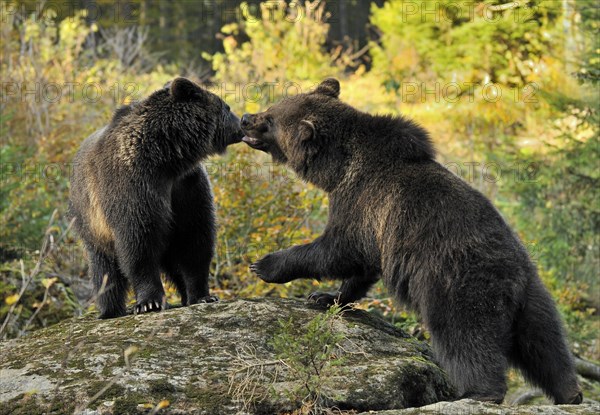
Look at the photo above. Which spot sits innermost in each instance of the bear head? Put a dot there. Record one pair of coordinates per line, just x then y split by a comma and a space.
321, 138
177, 126
301, 130
291, 122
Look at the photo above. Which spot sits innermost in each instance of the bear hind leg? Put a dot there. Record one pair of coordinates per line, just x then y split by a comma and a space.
471, 347
476, 374
138, 262
540, 349
352, 289
110, 285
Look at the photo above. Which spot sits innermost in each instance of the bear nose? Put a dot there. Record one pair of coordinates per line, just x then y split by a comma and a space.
246, 120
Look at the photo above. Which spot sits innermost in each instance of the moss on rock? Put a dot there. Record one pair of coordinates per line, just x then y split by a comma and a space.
185, 356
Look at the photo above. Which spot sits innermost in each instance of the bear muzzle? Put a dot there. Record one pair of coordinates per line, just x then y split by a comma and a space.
255, 143
238, 134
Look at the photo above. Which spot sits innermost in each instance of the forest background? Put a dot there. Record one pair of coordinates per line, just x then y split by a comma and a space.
508, 90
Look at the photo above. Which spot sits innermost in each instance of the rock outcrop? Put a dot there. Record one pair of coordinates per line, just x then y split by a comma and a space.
189, 358
471, 407
219, 359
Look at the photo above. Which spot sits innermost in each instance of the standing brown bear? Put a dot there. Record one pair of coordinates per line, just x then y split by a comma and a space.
142, 203
438, 244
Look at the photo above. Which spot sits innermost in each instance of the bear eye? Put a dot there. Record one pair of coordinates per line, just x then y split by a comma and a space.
269, 120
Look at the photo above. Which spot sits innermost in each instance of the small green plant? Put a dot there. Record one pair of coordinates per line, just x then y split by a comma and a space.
310, 353
305, 356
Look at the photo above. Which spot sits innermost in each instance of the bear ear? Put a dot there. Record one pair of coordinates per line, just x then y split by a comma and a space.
183, 89
306, 131
329, 87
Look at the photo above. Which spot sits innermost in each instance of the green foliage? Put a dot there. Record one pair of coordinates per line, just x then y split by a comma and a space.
473, 71
544, 118
560, 209
261, 208
589, 60
469, 42
284, 54
310, 352
56, 95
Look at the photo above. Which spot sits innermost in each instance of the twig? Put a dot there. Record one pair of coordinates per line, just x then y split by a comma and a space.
247, 378
527, 397
587, 369
36, 269
37, 311
506, 6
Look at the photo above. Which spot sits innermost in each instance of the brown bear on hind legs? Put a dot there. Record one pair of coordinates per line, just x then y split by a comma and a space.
439, 245
142, 203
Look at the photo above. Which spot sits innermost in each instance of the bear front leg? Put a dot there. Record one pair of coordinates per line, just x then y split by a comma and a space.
300, 261
277, 268
149, 291
193, 237
188, 268
110, 285
141, 267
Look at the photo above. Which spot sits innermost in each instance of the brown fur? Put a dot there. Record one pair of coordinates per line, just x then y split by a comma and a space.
439, 245
142, 202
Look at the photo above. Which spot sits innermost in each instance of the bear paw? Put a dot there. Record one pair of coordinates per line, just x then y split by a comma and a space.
204, 300
577, 399
149, 306
112, 314
496, 398
324, 299
265, 268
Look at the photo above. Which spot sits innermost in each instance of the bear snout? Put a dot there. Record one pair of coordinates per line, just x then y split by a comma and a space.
235, 125
247, 120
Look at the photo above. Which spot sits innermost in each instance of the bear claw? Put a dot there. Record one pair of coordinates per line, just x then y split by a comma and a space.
267, 269
150, 306
254, 269
326, 299
577, 399
206, 299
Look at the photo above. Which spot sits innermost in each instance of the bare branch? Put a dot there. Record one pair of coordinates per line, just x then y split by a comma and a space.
506, 6
587, 369
126, 43
527, 397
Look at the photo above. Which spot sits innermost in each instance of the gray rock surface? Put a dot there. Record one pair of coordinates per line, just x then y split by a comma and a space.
195, 359
471, 407
191, 357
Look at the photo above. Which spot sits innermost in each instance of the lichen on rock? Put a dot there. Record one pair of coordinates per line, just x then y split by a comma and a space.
184, 356
469, 406
184, 361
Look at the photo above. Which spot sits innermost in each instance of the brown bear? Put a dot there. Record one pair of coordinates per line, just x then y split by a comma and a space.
142, 202
438, 244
